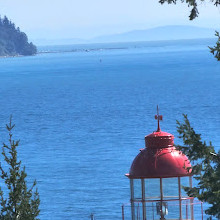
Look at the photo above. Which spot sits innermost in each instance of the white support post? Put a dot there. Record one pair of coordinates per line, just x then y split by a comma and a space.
132, 199
143, 198
191, 200
161, 198
161, 189
180, 198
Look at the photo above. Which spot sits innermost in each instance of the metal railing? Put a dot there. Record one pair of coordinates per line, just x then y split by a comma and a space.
166, 210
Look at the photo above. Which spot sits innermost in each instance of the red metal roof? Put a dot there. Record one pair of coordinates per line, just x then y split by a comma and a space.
160, 159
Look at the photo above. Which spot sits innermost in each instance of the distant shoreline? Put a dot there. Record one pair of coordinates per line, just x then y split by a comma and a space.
83, 50
10, 56
99, 47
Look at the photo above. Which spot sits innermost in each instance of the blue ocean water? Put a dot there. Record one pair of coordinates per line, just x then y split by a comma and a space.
82, 116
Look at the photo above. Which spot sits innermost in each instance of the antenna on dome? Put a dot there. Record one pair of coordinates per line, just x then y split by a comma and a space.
158, 118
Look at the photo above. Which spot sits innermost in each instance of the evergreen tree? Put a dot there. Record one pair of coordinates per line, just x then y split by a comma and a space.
13, 41
194, 13
6, 21
17, 202
216, 49
205, 168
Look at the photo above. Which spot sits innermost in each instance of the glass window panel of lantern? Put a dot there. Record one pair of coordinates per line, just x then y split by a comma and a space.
137, 189
152, 189
170, 188
184, 181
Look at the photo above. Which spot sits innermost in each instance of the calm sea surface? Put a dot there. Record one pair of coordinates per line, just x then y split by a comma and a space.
82, 116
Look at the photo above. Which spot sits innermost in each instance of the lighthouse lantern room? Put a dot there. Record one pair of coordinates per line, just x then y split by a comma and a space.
156, 178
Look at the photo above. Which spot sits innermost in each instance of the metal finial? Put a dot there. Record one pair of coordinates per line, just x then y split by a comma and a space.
159, 118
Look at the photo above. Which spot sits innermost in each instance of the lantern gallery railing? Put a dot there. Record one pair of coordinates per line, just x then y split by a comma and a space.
169, 209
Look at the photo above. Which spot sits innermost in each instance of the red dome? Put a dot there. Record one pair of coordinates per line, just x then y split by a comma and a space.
160, 159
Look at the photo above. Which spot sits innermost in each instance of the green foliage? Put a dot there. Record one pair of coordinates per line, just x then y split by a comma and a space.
191, 3
205, 168
17, 202
194, 13
216, 49
12, 41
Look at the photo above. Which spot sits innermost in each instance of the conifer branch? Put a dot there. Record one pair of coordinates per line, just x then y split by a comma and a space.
19, 202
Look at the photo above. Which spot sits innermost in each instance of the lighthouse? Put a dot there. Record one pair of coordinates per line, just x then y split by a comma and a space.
156, 177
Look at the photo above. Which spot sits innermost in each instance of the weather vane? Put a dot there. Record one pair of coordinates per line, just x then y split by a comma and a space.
159, 118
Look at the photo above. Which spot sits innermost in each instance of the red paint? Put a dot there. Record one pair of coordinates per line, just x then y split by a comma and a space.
160, 159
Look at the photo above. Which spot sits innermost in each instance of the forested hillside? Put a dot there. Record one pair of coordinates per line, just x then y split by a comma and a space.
12, 41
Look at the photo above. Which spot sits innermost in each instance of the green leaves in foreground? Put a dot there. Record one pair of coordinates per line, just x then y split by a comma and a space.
193, 4
17, 202
205, 167
216, 49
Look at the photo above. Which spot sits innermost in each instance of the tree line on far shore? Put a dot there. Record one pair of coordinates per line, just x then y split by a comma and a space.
14, 42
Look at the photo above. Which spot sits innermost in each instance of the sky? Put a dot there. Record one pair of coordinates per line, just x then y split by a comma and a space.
54, 19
